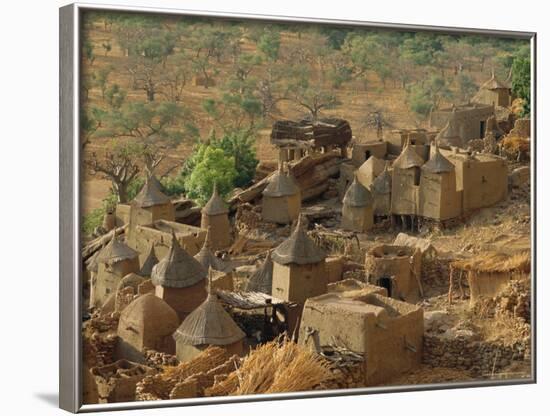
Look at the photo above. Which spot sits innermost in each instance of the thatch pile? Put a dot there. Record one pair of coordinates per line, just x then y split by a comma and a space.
276, 367
161, 385
495, 263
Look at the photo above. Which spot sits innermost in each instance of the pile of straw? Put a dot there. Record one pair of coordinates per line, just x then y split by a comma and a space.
276, 367
495, 263
159, 386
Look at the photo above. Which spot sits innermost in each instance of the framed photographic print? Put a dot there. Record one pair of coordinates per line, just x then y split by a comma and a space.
259, 208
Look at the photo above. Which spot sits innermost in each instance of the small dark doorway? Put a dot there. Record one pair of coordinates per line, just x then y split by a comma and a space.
367, 154
386, 283
482, 129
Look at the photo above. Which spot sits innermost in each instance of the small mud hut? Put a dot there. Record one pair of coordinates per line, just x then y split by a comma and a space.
146, 323
397, 269
209, 324
113, 262
180, 280
357, 208
281, 200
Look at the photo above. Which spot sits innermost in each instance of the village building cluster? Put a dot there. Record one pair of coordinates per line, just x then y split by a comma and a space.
173, 289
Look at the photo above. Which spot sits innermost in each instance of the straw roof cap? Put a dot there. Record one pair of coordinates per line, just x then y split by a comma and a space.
209, 324
298, 248
115, 251
408, 158
357, 195
207, 259
493, 83
151, 194
262, 279
281, 184
438, 163
177, 269
215, 205
149, 263
382, 183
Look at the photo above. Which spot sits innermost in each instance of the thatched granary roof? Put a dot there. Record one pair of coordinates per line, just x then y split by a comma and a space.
323, 132
493, 83
298, 248
438, 163
130, 280
261, 280
408, 158
281, 184
207, 259
177, 269
149, 263
493, 262
209, 324
115, 251
151, 194
150, 313
215, 205
382, 183
357, 195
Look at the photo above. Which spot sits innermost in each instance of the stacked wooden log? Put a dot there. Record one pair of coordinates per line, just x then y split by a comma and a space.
311, 174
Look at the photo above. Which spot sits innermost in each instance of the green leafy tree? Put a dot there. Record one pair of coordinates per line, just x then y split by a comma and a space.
234, 112
212, 167
269, 43
521, 82
425, 98
466, 87
241, 146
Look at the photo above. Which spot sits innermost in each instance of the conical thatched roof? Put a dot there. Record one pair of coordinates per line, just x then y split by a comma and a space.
215, 205
357, 195
408, 158
177, 269
209, 324
493, 83
281, 184
262, 279
115, 251
438, 163
298, 248
382, 183
207, 259
151, 194
149, 262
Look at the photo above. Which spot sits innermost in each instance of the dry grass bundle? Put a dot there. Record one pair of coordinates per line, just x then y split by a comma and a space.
275, 367
495, 263
159, 386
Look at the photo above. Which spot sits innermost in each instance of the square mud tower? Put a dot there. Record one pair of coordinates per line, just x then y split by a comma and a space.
113, 262
179, 280
386, 332
215, 216
405, 182
381, 193
460, 124
397, 269
438, 196
362, 152
357, 208
298, 268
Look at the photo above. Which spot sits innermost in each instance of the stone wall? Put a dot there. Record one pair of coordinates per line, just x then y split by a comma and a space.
481, 358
